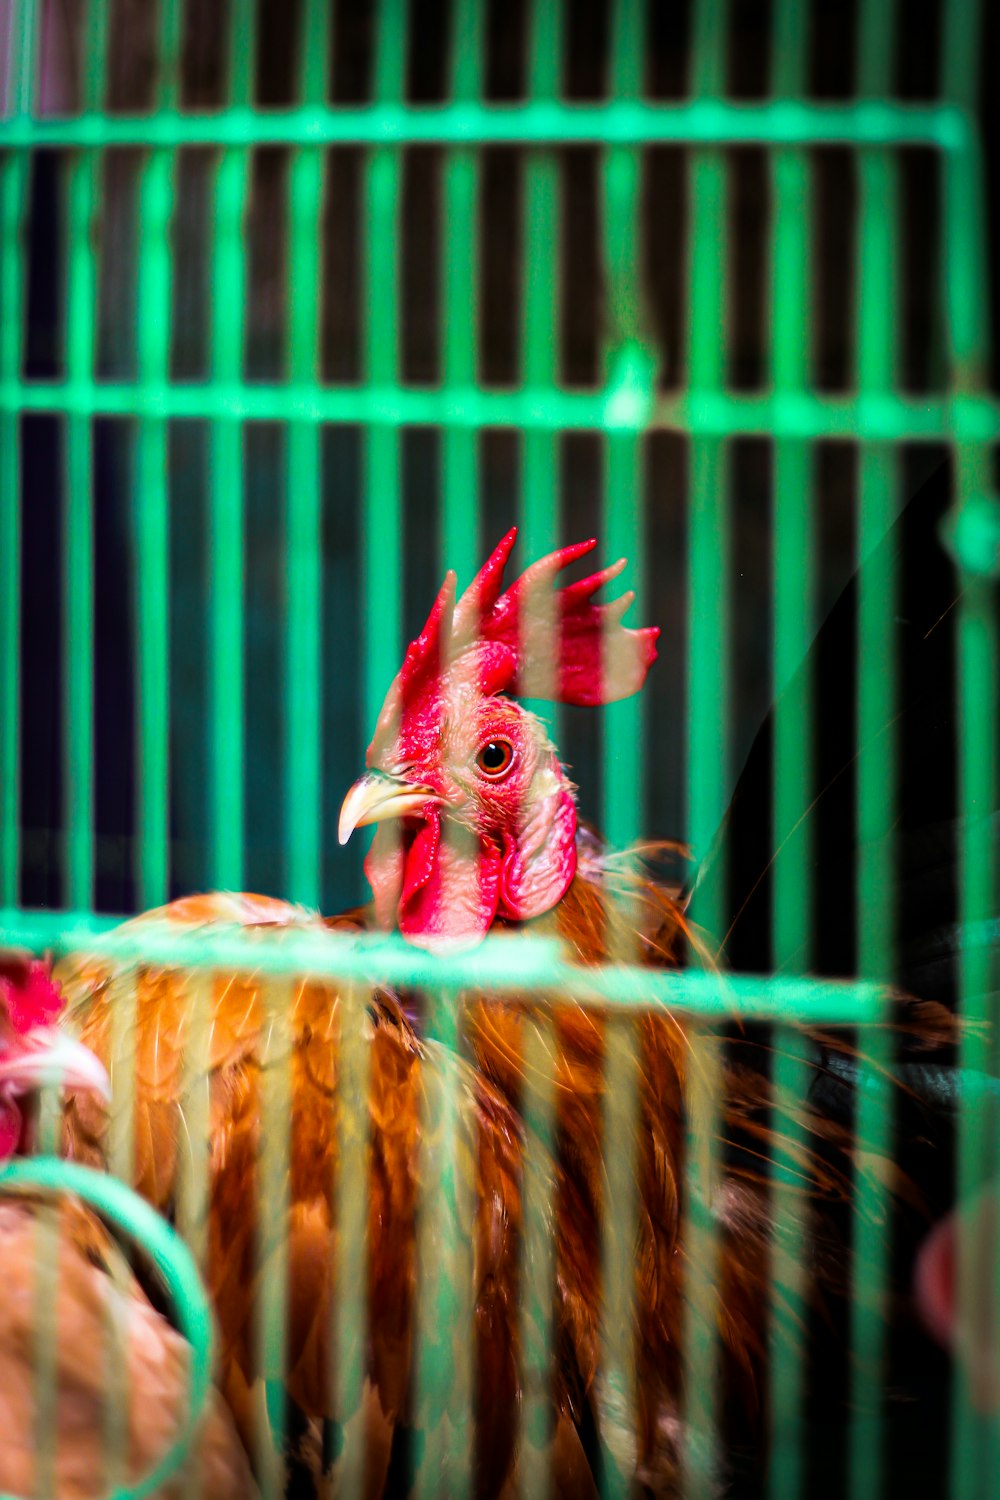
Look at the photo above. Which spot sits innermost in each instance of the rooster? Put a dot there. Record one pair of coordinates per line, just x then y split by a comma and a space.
478, 830
95, 1285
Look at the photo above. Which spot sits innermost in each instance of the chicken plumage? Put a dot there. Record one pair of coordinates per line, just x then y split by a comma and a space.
478, 829
95, 1286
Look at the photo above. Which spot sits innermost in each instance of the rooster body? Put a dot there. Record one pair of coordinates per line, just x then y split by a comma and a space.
95, 1287
478, 830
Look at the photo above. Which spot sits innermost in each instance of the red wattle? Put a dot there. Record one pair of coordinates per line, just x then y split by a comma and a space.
539, 867
441, 887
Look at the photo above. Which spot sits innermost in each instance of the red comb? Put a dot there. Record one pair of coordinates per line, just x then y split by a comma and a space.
558, 644
28, 992
533, 638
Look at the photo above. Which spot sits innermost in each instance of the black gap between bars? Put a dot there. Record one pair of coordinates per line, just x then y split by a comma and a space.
189, 663
501, 251
832, 255
581, 484
114, 667
264, 562
420, 457
665, 603
117, 261
420, 259
268, 260
923, 352
342, 269
41, 811
584, 321
748, 238
44, 353
664, 255
192, 292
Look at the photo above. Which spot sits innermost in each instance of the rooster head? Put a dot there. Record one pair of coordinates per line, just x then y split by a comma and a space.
33, 1050
479, 815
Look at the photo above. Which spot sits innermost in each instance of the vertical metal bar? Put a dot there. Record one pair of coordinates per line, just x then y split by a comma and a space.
708, 682
975, 1468
303, 636
794, 584
277, 998
122, 1003
445, 1234
878, 208
539, 532
226, 541
624, 784
619, 1219
961, 47
460, 491
538, 1257
19, 92
624, 777
708, 671
351, 1215
382, 513
975, 1441
152, 498
193, 1161
540, 325
78, 663
13, 199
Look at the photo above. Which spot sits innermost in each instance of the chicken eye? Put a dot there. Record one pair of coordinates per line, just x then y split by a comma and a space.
495, 758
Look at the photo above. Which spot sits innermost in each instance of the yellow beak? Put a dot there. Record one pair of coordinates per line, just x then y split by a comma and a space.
377, 796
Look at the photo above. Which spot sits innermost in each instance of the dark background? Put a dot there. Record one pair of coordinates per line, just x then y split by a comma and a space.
583, 330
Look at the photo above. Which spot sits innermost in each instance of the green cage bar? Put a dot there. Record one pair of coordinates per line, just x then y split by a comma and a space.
460, 540
13, 192
878, 417
277, 997
78, 524
541, 252
226, 495
538, 1258
383, 515
624, 767
878, 483
445, 1234
698, 121
152, 493
351, 1219
708, 690
304, 487
794, 583
887, 416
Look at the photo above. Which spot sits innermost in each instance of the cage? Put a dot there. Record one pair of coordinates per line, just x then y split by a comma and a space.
302, 306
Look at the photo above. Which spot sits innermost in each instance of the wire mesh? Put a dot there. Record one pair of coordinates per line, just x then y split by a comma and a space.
627, 404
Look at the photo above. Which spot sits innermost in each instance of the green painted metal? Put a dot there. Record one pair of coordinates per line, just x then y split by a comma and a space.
272, 1239
708, 694
13, 189
878, 314
507, 964
152, 497
538, 1258
304, 494
622, 407
794, 606
351, 1218
445, 1243
639, 122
